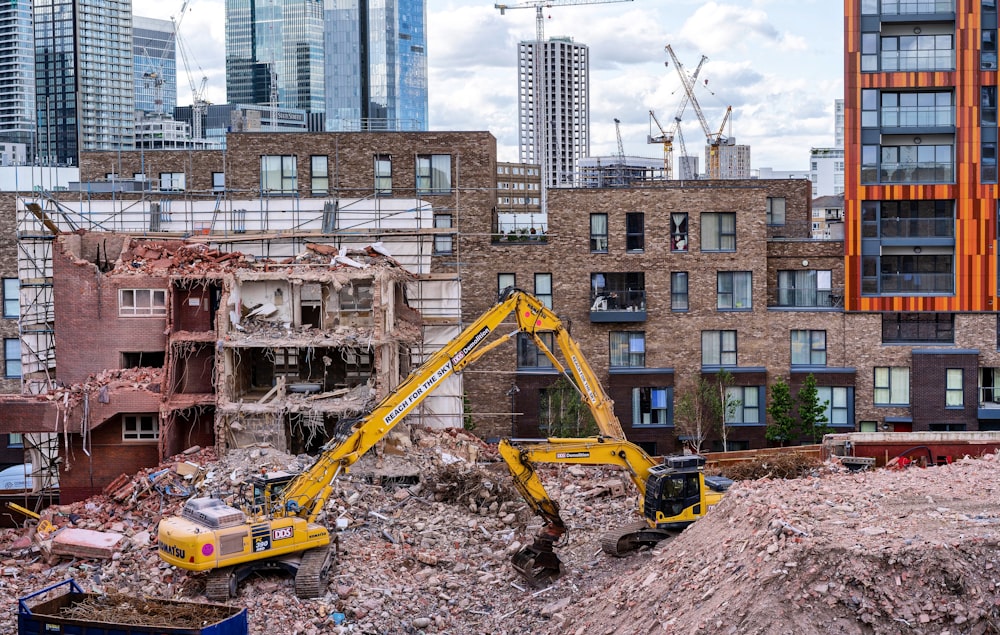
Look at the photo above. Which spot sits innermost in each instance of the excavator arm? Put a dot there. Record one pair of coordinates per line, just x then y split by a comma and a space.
538, 561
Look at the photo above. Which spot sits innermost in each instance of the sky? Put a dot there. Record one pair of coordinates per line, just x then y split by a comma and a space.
778, 63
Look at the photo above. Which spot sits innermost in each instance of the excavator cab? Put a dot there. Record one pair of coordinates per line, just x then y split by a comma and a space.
675, 492
263, 494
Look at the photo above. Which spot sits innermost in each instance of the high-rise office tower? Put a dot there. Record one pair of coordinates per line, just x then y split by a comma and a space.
555, 132
274, 53
155, 68
920, 197
17, 74
376, 74
83, 77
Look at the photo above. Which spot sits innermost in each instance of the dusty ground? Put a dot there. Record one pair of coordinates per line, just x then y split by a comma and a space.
880, 552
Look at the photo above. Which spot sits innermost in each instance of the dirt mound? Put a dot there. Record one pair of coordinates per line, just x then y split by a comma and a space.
872, 552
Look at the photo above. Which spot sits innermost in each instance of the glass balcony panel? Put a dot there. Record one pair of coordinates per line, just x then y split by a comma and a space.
917, 283
917, 7
917, 228
919, 172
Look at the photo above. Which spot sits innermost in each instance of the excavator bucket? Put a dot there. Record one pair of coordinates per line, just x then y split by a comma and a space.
537, 565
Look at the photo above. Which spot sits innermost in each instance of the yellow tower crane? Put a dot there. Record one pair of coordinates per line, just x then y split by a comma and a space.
666, 137
714, 139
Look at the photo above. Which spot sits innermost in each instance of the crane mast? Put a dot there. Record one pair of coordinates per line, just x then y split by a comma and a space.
714, 140
666, 137
198, 103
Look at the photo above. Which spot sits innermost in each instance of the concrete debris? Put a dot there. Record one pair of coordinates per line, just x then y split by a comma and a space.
424, 546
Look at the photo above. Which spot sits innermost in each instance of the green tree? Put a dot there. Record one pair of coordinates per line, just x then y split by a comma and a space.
781, 428
724, 406
563, 413
693, 419
812, 412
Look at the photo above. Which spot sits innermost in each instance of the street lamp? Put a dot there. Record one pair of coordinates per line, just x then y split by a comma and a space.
511, 393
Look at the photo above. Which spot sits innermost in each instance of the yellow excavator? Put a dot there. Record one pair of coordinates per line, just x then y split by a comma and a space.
275, 524
673, 493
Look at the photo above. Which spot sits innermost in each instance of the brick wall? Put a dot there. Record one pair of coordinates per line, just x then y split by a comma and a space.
8, 269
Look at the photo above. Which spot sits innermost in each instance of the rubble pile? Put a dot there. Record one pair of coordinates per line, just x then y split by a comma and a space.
428, 524
790, 465
175, 256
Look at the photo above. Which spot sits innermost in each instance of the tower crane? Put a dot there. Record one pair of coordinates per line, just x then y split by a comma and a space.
620, 181
666, 137
714, 140
198, 103
541, 123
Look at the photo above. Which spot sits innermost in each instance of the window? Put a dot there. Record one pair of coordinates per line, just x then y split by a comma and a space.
651, 407
735, 290
892, 386
988, 52
12, 357
932, 328
383, 175
805, 288
140, 428
914, 163
916, 110
320, 175
599, 233
988, 168
838, 404
286, 363
917, 52
434, 174
278, 174
718, 231
528, 353
678, 231
133, 302
679, 291
954, 390
775, 210
543, 288
15, 440
808, 348
504, 281
11, 299
171, 181
443, 243
218, 181
718, 348
747, 401
635, 237
628, 349
148, 359
614, 291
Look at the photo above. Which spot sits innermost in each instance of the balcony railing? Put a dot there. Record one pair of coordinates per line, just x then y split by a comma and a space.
790, 297
917, 7
918, 117
921, 172
917, 228
933, 60
917, 283
618, 305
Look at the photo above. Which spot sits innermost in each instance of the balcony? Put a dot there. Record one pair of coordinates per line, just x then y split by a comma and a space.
919, 172
917, 7
899, 228
911, 60
917, 283
918, 117
809, 298
618, 305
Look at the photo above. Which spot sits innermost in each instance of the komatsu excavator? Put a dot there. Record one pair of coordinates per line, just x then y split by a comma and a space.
276, 524
673, 493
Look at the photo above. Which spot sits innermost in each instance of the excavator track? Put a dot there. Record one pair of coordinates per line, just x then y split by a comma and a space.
621, 541
220, 584
310, 579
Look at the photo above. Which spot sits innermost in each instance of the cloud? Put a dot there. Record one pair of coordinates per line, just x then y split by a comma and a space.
717, 28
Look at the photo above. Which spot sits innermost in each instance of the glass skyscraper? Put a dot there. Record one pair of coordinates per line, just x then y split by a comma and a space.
17, 74
83, 77
155, 70
376, 74
279, 41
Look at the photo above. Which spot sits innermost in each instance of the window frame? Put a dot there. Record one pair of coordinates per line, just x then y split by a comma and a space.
444, 244
136, 433
286, 174
732, 280
725, 353
543, 289
954, 395
382, 168
631, 344
529, 356
772, 212
11, 298
153, 309
638, 402
887, 388
832, 407
680, 238
635, 237
717, 239
679, 296
741, 407
319, 176
814, 355
12, 358
596, 236
433, 174
173, 181
218, 181
501, 281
